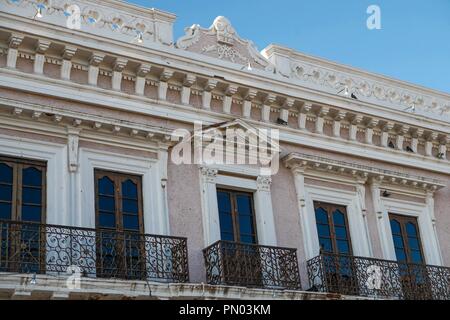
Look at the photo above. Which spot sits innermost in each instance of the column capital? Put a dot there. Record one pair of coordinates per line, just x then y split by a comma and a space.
14, 41
209, 174
120, 64
166, 74
263, 183
42, 46
69, 52
143, 70
189, 80
96, 58
211, 84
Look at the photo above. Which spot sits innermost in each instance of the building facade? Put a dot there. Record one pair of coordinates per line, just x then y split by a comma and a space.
93, 204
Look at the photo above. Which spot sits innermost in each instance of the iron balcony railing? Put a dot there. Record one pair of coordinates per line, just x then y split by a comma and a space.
238, 264
377, 278
55, 250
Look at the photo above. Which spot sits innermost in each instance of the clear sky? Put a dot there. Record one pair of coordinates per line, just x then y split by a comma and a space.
413, 44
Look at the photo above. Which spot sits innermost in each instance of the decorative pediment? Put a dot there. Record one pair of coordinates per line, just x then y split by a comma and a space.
221, 41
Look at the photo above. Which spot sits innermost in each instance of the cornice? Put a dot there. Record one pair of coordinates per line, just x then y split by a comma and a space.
302, 163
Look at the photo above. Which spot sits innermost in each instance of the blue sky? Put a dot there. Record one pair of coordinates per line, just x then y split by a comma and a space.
413, 44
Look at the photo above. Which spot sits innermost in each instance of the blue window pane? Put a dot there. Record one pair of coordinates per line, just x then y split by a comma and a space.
248, 239
224, 202
246, 224
395, 227
31, 195
400, 254
416, 256
338, 218
323, 230
5, 193
106, 186
107, 220
6, 173
411, 229
343, 246
130, 206
5, 211
226, 222
321, 216
226, 236
398, 241
244, 205
32, 177
31, 213
129, 189
325, 245
130, 222
106, 204
414, 243
341, 232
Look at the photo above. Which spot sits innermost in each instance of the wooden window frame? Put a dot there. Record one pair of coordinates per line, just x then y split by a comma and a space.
118, 178
403, 220
330, 208
235, 215
18, 165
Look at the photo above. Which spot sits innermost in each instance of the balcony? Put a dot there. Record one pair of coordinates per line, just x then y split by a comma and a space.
238, 264
55, 250
377, 278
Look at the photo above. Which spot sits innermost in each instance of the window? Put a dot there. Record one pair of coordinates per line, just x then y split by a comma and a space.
236, 214
406, 238
22, 190
332, 228
335, 245
119, 220
22, 199
408, 250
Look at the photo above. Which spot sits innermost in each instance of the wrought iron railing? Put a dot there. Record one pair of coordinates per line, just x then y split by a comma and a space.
370, 277
50, 249
238, 264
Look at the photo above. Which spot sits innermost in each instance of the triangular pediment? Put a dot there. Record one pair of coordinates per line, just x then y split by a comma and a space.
221, 41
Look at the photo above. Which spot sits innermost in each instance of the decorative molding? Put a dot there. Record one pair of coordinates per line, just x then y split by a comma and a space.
221, 41
356, 172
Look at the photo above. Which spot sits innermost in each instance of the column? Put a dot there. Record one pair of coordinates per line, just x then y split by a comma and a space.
228, 98
401, 136
337, 123
303, 114
118, 67
415, 139
265, 111
210, 207
66, 66
163, 213
39, 58
354, 127
299, 179
265, 222
385, 134
429, 201
369, 131
320, 120
361, 193
247, 104
13, 50
186, 89
443, 148
141, 73
429, 144
94, 63
211, 84
163, 84
385, 239
73, 136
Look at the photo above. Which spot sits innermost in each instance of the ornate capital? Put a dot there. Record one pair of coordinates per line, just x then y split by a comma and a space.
209, 174
263, 183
